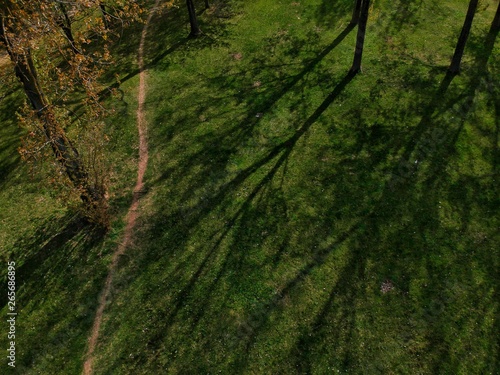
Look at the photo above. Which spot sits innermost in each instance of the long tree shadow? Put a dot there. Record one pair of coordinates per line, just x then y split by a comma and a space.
166, 26
419, 146
237, 260
470, 190
285, 149
58, 265
353, 272
241, 131
183, 221
343, 294
291, 82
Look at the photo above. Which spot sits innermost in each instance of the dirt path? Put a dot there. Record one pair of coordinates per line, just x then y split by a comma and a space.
132, 211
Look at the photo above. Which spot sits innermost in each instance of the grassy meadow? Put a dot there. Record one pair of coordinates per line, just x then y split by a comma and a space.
296, 219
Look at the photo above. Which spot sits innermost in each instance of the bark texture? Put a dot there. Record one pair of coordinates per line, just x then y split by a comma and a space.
356, 12
193, 21
462, 39
360, 39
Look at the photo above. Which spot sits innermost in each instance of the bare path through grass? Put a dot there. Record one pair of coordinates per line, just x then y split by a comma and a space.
133, 209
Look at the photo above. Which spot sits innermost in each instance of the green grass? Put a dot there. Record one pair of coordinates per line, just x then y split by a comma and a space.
61, 262
281, 194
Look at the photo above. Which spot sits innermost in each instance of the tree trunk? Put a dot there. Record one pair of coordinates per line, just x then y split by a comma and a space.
195, 29
207, 4
355, 13
360, 39
65, 153
464, 35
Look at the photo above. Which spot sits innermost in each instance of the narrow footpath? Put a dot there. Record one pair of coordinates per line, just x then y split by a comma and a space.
133, 209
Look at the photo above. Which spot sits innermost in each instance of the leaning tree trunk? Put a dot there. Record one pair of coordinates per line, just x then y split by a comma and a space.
464, 35
355, 13
195, 29
360, 39
65, 153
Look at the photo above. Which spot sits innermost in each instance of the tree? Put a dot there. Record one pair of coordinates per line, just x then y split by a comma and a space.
355, 13
64, 151
454, 67
360, 39
207, 4
25, 24
195, 29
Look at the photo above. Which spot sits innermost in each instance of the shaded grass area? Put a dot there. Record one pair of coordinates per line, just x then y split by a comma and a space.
282, 195
58, 273
61, 260
55, 287
24, 201
61, 263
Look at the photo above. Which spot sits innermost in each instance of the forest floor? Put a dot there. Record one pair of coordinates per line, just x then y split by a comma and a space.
294, 218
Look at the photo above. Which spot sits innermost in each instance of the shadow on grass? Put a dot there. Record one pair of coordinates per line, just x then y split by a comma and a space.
184, 220
10, 135
282, 150
165, 34
338, 320
58, 274
42, 250
261, 103
329, 12
270, 254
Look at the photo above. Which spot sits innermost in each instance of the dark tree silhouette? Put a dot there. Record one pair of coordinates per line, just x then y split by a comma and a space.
207, 4
360, 39
355, 13
462, 39
195, 29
